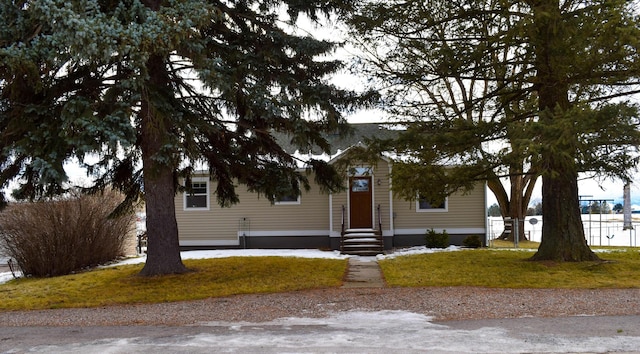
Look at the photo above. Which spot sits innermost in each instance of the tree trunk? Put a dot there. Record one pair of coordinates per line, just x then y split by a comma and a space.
517, 207
562, 231
513, 206
509, 233
163, 248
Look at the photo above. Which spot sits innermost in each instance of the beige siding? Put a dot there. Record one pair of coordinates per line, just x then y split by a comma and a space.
380, 180
381, 194
338, 201
253, 215
463, 212
311, 214
197, 225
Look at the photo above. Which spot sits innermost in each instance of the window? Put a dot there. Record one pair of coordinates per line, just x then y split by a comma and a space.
360, 185
423, 204
287, 199
198, 196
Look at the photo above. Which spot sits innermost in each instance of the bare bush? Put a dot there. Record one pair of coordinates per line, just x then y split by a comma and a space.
59, 237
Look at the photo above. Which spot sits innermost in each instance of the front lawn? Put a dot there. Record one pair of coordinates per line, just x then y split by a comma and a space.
211, 278
511, 269
251, 275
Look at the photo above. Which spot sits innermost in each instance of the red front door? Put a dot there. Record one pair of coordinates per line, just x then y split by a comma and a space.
360, 203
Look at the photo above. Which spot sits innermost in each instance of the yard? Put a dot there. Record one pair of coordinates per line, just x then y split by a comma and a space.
224, 276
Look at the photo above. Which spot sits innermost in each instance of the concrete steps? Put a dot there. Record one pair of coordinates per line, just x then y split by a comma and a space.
362, 242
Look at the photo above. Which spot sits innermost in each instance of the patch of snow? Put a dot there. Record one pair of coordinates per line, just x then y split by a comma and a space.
418, 250
353, 332
5, 277
205, 254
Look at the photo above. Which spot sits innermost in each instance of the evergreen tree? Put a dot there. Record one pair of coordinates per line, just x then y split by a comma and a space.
618, 208
155, 88
516, 89
494, 210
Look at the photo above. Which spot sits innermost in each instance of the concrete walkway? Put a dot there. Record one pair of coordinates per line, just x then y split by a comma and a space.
363, 272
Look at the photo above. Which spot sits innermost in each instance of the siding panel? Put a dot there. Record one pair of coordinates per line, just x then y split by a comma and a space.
464, 211
253, 214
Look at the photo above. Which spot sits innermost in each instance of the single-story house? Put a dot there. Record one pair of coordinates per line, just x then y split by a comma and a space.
366, 215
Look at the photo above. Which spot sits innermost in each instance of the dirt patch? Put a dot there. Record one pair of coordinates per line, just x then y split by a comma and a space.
548, 264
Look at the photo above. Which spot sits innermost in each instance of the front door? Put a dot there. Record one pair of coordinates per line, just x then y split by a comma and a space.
360, 202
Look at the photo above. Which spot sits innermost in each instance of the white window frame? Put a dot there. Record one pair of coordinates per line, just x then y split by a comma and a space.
289, 202
186, 194
432, 210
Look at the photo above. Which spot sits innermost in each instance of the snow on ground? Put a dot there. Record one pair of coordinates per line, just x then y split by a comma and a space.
302, 253
417, 250
360, 332
6, 276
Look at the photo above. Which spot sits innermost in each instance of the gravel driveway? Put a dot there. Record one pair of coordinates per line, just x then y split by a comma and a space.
345, 320
442, 304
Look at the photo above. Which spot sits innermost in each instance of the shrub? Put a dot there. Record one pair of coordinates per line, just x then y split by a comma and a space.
472, 241
437, 239
51, 238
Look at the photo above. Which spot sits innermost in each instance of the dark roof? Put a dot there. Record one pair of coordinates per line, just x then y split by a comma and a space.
359, 133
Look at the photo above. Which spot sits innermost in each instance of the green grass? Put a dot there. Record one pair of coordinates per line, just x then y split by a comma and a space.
511, 269
509, 244
497, 268
210, 278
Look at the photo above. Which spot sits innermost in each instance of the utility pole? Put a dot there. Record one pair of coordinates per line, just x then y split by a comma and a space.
627, 207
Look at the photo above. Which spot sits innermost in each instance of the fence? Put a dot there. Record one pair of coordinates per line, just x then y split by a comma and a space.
599, 229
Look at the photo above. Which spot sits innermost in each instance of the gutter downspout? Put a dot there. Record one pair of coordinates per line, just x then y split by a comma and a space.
391, 213
486, 217
330, 216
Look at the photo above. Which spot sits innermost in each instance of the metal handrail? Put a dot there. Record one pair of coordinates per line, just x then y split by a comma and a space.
342, 232
380, 225
343, 214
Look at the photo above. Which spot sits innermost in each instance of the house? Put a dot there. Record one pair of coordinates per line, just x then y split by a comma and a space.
367, 216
